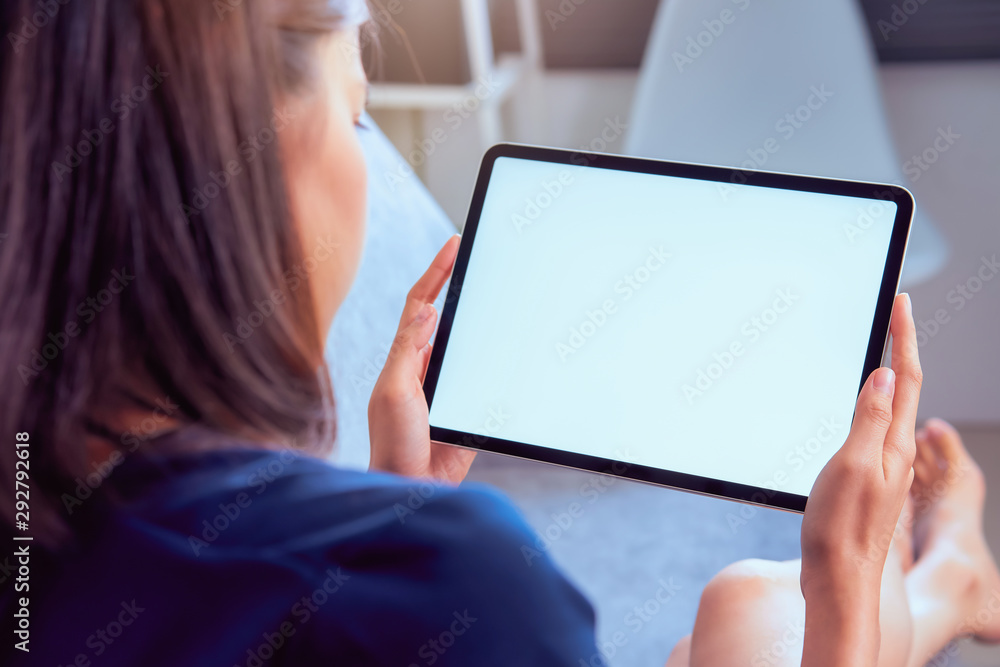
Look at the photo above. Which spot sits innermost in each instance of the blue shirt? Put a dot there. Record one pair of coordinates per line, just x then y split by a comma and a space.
245, 557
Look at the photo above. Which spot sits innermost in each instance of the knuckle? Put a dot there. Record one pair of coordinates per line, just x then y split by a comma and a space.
905, 449
852, 468
388, 397
916, 375
848, 469
400, 343
878, 413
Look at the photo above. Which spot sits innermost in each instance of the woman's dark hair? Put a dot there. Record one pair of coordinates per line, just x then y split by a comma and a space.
146, 233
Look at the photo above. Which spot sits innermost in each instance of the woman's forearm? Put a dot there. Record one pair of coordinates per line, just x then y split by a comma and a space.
842, 624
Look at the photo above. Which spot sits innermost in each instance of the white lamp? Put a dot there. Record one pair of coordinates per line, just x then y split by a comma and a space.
720, 78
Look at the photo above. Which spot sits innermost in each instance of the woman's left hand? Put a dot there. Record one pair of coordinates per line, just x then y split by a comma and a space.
397, 411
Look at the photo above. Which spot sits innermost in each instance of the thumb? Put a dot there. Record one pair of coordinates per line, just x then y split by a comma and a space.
873, 414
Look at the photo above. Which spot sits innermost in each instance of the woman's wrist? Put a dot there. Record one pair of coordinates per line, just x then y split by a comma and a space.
842, 619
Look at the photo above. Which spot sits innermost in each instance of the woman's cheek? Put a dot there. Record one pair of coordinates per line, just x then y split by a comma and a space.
349, 181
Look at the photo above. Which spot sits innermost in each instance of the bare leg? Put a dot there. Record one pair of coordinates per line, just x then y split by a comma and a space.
752, 612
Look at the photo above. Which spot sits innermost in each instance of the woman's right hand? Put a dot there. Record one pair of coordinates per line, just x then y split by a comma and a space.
397, 411
855, 505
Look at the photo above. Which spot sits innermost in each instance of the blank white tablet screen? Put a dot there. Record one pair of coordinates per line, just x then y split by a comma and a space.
688, 325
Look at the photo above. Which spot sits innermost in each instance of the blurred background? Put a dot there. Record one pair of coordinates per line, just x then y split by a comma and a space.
906, 92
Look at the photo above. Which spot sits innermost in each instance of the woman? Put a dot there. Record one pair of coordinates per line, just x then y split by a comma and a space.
183, 198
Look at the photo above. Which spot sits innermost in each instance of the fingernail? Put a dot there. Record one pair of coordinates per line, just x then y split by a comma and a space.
909, 304
425, 312
884, 380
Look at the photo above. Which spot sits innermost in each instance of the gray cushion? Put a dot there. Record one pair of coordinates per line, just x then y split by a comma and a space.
406, 228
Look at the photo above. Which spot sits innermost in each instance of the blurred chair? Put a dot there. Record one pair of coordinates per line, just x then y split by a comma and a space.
498, 76
722, 77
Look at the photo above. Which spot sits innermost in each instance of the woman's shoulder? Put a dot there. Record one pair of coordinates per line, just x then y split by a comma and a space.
283, 500
348, 566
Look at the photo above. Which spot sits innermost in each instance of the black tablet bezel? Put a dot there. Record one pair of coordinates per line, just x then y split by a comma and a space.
683, 481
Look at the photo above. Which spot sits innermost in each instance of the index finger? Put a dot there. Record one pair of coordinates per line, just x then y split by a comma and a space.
426, 289
899, 442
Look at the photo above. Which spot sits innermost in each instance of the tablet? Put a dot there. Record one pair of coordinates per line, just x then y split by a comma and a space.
698, 327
